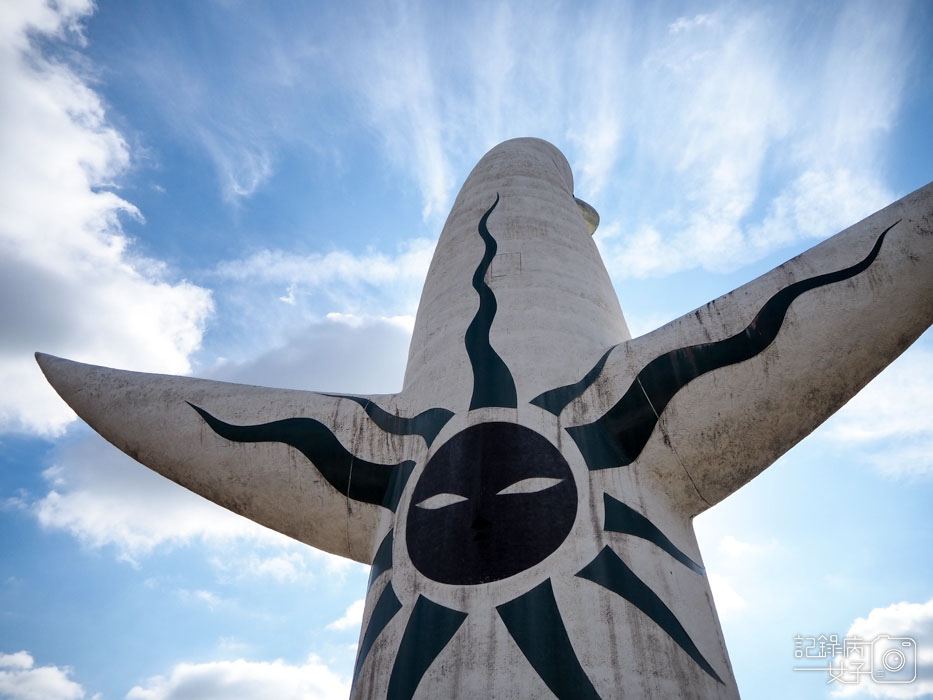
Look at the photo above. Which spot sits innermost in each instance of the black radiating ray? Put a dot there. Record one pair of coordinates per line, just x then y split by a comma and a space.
627, 520
430, 628
427, 424
610, 572
534, 621
618, 437
382, 562
556, 400
492, 381
383, 612
379, 484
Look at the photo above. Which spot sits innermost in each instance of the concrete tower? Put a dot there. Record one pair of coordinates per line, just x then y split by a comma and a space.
526, 500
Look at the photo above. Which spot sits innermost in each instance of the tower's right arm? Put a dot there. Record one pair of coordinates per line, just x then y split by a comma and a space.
720, 393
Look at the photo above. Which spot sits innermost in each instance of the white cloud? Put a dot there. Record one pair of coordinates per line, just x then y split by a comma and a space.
889, 420
351, 619
344, 353
737, 549
20, 659
901, 633
70, 279
105, 499
21, 679
245, 680
729, 566
728, 600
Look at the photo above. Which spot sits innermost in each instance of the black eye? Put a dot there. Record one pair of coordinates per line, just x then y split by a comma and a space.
530, 485
441, 500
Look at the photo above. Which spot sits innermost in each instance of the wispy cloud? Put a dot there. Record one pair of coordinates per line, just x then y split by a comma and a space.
402, 95
736, 98
682, 131
321, 269
284, 564
207, 598
889, 420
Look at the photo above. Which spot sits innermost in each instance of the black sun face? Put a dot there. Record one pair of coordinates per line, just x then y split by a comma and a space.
494, 500
498, 498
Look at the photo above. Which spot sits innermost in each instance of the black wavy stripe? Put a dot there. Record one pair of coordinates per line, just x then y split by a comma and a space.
610, 572
430, 628
378, 484
492, 381
427, 424
382, 561
383, 612
627, 520
618, 437
535, 623
556, 400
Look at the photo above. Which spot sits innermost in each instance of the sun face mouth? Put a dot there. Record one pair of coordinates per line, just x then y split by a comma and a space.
493, 501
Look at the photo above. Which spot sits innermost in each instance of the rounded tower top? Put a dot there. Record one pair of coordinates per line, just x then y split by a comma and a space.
517, 237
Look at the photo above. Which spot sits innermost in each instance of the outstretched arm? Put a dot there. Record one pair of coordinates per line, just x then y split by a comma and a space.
322, 469
730, 387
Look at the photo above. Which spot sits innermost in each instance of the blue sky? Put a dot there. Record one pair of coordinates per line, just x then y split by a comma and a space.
252, 192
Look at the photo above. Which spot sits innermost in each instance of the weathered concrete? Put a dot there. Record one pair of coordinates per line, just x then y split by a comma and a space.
526, 499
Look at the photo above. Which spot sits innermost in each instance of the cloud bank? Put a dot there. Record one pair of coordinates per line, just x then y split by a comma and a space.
70, 279
21, 679
245, 680
888, 627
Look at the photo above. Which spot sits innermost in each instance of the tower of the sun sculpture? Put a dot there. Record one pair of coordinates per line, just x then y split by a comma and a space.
526, 500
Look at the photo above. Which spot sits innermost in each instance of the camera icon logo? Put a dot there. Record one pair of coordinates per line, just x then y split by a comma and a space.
893, 659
